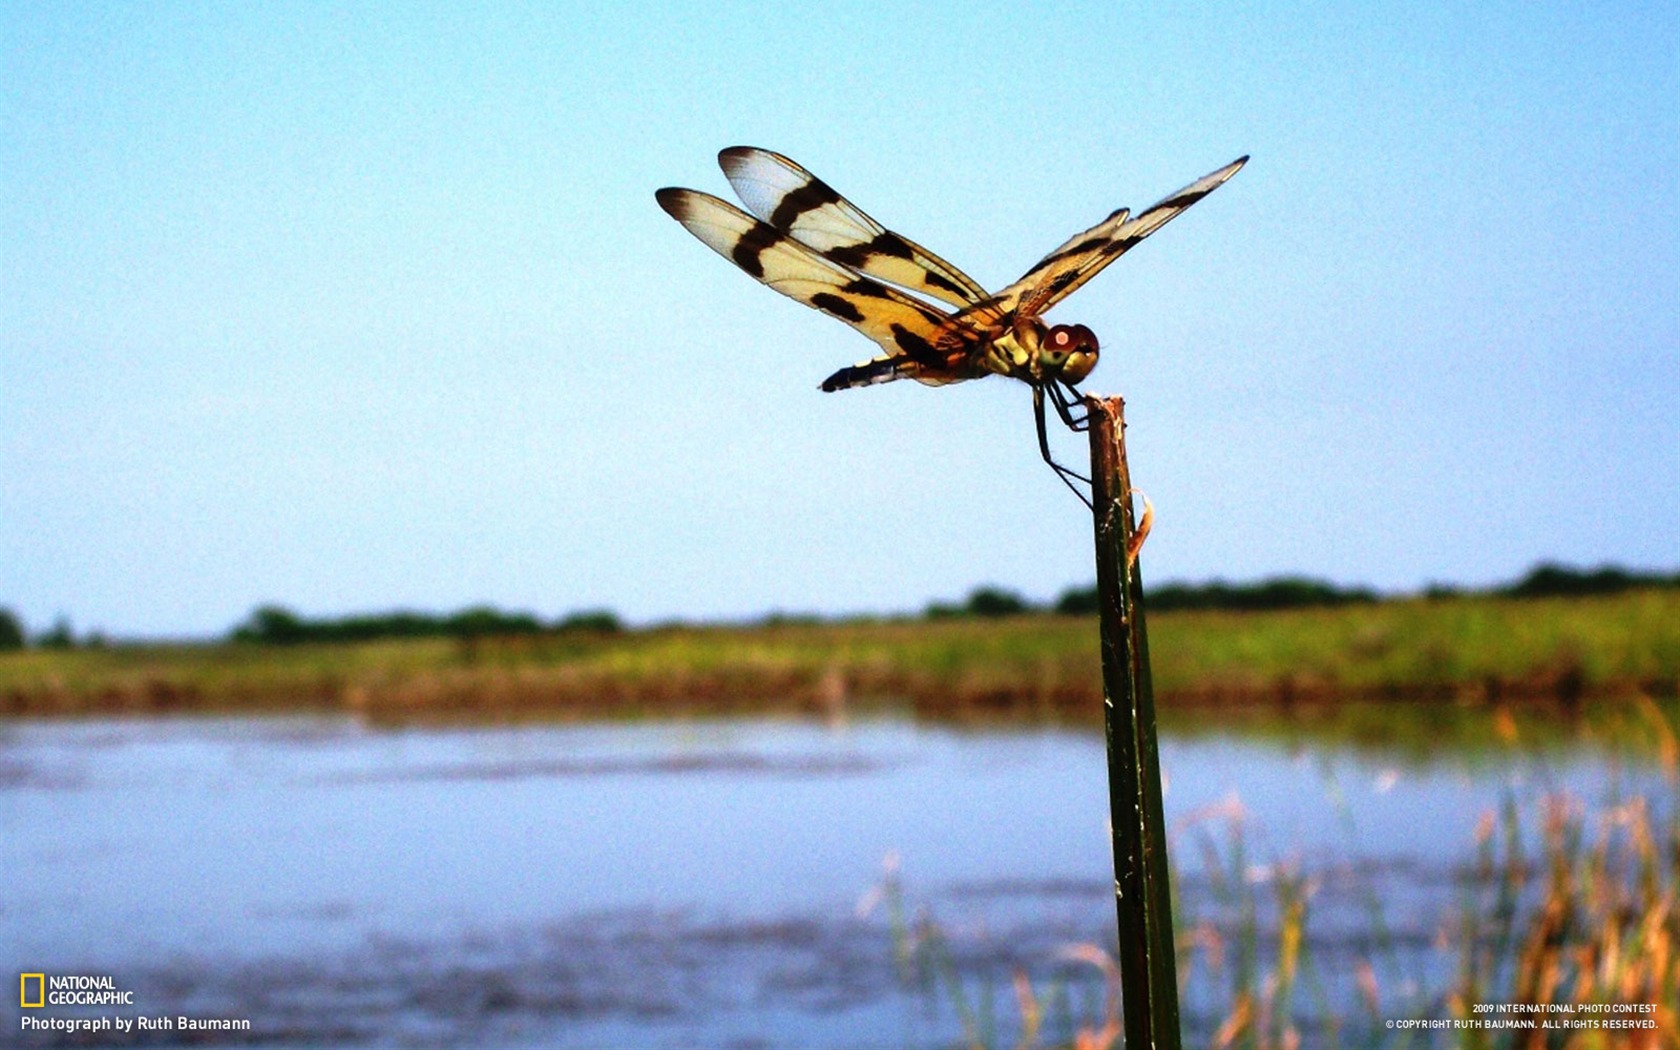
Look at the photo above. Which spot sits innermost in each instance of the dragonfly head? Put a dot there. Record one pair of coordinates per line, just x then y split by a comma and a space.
1069, 352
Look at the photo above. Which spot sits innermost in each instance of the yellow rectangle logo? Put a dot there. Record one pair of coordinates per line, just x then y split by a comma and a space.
40, 980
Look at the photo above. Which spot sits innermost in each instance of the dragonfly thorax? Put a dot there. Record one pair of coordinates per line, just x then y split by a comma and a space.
1037, 353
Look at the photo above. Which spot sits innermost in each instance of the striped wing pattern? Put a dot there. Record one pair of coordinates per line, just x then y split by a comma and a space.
801, 205
903, 325
811, 244
1063, 271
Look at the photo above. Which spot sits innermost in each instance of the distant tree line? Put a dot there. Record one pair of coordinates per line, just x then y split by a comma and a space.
276, 625
1550, 580
58, 636
1546, 580
985, 601
1279, 593
11, 631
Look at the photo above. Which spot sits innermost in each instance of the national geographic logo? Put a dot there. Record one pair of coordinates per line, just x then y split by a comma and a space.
43, 990
37, 990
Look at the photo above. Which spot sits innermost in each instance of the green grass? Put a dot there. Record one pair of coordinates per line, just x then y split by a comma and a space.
1573, 903
1591, 925
1468, 648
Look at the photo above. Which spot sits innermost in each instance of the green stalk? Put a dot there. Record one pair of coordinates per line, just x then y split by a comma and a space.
1143, 899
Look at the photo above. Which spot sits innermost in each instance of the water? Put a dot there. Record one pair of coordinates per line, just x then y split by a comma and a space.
668, 884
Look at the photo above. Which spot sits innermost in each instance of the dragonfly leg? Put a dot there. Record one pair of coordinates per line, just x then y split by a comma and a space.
1065, 401
1068, 477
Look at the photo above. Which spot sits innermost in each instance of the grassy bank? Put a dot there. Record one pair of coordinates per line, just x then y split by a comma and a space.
1476, 648
1562, 910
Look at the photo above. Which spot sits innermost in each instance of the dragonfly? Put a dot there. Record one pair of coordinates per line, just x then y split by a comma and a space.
935, 324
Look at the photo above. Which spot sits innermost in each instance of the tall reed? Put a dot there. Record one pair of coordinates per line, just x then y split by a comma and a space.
1570, 903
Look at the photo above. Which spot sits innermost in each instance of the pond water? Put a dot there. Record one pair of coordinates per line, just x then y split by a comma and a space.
693, 884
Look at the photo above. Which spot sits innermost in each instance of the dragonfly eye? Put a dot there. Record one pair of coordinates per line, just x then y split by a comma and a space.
1067, 338
1071, 350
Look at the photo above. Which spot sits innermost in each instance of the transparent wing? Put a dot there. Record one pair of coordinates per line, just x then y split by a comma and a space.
901, 324
1057, 275
794, 201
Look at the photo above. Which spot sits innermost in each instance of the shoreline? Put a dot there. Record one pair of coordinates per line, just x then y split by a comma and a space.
1475, 651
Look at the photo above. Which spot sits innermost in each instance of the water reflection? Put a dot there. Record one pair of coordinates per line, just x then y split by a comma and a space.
663, 884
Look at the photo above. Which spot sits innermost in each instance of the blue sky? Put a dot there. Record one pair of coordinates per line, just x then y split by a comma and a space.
361, 307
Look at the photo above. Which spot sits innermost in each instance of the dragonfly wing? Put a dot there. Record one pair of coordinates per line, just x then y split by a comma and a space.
792, 200
906, 327
1057, 275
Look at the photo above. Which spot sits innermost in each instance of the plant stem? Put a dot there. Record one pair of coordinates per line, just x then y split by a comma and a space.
1143, 901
